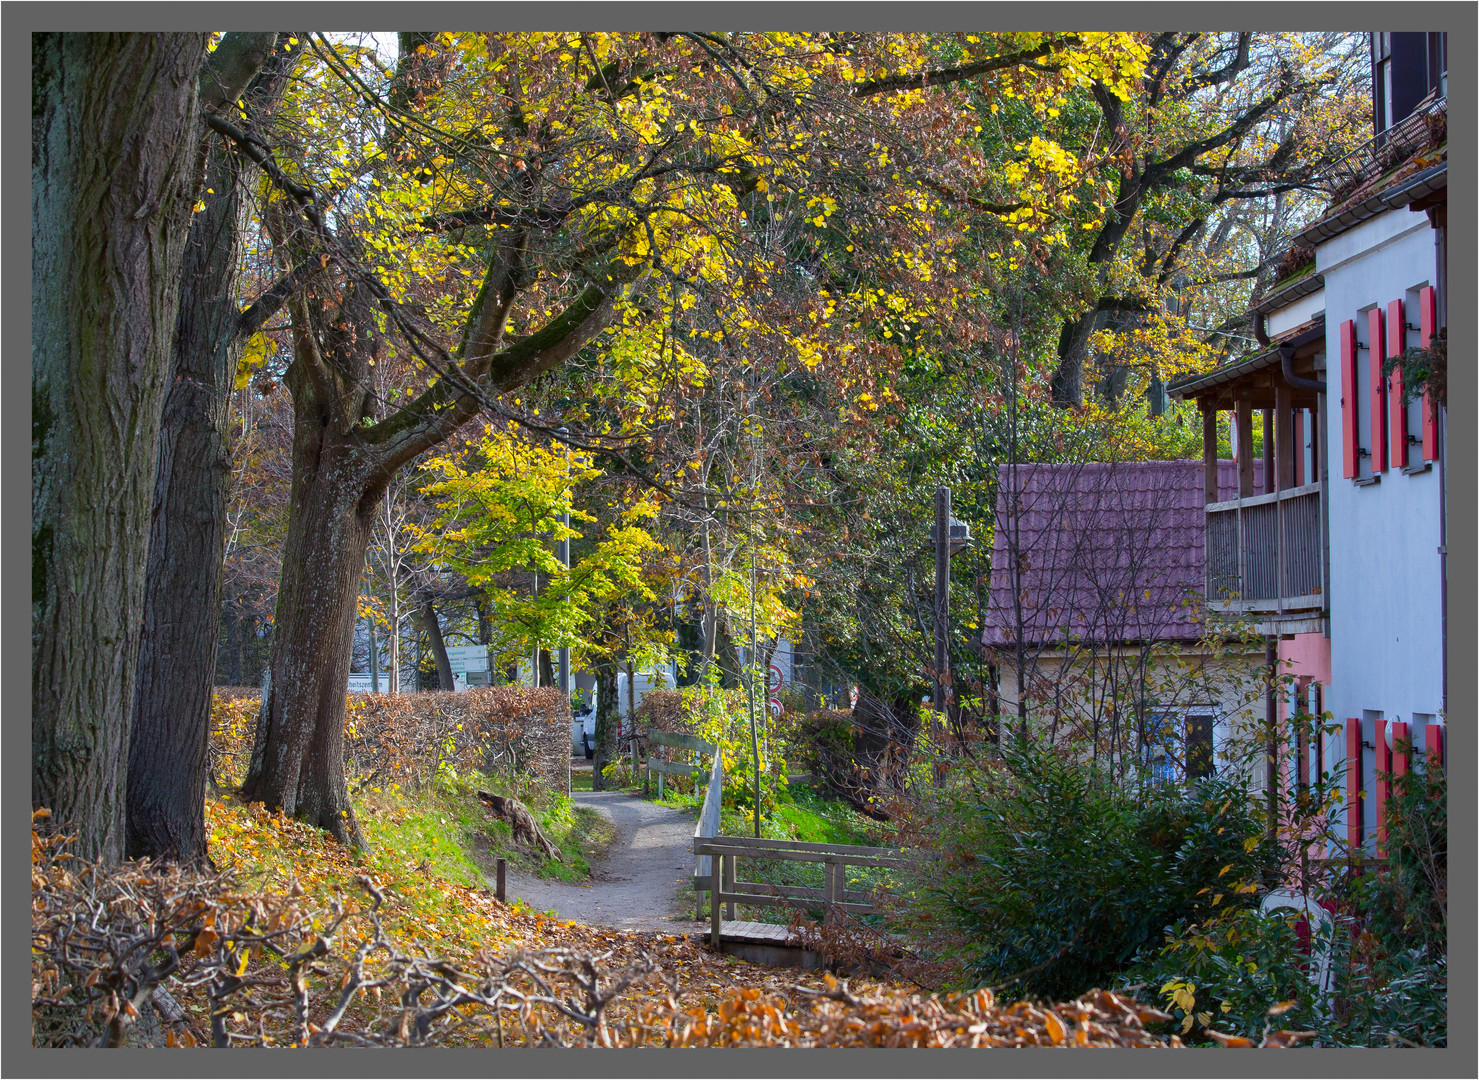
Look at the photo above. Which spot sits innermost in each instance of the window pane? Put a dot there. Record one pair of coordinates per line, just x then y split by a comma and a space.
1199, 761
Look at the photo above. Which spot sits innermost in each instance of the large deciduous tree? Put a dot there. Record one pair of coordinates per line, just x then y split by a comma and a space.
182, 596
1217, 120
113, 181
568, 171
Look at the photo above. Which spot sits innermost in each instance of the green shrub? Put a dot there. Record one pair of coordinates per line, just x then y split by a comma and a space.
723, 718
1062, 876
1404, 901
1240, 971
1226, 972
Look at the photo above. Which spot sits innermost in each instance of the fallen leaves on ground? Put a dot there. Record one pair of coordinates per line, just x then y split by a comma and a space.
328, 959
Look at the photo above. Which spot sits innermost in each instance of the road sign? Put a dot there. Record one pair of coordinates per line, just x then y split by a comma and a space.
776, 708
776, 679
465, 658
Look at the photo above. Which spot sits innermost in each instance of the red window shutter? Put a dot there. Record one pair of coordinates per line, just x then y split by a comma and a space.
1383, 784
1349, 414
1427, 304
1401, 733
1396, 346
1353, 783
1377, 352
1433, 743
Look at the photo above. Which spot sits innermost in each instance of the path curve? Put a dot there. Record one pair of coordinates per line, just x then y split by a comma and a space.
635, 884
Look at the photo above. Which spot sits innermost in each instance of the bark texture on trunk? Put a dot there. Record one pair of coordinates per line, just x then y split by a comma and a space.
606, 676
438, 646
112, 187
182, 594
301, 732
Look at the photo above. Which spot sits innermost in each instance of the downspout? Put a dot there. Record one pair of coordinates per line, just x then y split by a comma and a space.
1439, 218
1286, 359
1299, 382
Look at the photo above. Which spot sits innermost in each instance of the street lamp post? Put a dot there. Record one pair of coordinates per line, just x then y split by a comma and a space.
950, 537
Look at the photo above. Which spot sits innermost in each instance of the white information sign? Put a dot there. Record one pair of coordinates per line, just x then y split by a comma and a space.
465, 658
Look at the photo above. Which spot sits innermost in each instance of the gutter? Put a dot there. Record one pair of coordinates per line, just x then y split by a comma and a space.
1309, 283
1183, 388
1428, 180
1415, 187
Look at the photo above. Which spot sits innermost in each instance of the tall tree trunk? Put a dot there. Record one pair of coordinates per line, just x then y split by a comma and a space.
301, 731
606, 676
438, 647
727, 656
187, 539
112, 187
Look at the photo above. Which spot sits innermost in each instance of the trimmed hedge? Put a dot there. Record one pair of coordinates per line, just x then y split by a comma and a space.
406, 738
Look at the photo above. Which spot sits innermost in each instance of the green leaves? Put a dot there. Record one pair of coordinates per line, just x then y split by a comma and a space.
499, 507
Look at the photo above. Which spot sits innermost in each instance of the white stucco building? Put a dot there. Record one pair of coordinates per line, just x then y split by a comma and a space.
1341, 559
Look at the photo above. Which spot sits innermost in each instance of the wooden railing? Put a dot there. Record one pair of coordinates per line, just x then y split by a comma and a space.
708, 817
708, 827
725, 890
676, 768
1265, 553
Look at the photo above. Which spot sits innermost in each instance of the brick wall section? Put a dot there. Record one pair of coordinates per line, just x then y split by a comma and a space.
402, 738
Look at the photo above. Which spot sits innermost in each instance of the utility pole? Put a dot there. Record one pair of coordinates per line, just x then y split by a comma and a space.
564, 555
942, 592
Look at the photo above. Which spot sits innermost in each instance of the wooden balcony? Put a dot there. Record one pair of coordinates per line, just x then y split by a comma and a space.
1266, 557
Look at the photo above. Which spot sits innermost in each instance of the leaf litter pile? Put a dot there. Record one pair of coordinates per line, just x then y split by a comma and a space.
156, 955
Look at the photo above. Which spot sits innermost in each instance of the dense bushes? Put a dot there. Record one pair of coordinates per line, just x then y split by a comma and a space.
409, 739
1055, 877
1046, 879
1387, 946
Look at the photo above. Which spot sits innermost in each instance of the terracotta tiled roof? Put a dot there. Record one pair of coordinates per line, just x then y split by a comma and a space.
1105, 552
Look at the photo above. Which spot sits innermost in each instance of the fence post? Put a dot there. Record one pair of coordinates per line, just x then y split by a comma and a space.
716, 863
829, 870
728, 882
502, 881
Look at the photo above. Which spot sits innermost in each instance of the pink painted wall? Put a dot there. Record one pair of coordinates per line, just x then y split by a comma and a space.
1307, 655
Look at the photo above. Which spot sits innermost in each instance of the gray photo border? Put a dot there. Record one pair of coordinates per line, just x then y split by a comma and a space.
1461, 20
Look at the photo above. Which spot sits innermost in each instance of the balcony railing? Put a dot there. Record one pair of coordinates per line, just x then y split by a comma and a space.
1265, 554
1387, 149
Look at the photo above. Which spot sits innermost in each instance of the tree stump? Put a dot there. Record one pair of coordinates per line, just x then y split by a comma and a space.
526, 829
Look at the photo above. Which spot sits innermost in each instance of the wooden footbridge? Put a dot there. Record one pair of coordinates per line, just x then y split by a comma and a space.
725, 889
715, 870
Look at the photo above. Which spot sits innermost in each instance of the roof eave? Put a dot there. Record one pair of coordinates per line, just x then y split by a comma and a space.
1196, 384
1371, 206
1310, 283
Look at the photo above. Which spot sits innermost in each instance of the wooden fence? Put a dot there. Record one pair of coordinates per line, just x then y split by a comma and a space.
725, 889
677, 768
708, 818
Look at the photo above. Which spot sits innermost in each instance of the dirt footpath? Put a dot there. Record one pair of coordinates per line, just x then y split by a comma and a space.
636, 883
